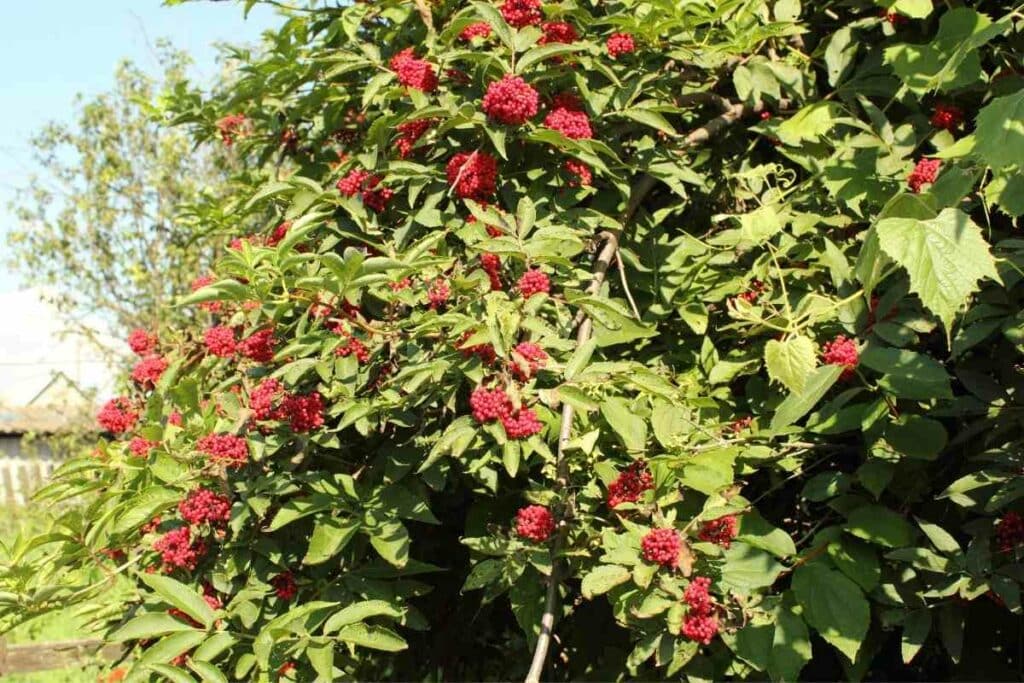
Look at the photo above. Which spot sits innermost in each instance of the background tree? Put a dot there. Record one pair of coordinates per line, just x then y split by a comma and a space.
103, 226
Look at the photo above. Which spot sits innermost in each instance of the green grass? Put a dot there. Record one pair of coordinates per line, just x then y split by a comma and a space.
52, 627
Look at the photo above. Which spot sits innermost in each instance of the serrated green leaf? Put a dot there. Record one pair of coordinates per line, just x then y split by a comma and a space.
790, 361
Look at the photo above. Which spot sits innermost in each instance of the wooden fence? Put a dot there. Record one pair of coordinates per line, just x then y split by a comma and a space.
17, 659
20, 476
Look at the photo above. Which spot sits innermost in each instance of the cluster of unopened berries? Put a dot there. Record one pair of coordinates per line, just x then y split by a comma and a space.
413, 72
534, 523
630, 484
269, 401
701, 623
925, 172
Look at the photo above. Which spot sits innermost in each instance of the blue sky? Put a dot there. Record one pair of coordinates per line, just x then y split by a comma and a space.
52, 50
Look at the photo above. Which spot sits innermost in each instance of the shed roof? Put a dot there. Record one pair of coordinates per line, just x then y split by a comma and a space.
42, 419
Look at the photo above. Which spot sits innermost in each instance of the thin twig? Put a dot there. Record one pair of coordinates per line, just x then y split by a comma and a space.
625, 283
428, 18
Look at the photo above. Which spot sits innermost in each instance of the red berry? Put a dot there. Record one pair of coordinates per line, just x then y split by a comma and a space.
582, 175
1009, 532
662, 546
220, 341
620, 44
304, 413
527, 359
413, 72
410, 133
203, 505
630, 484
140, 447
228, 448
489, 404
558, 32
438, 293
259, 346
473, 175
533, 282
511, 101
573, 124
147, 372
142, 342
924, 173
118, 415
520, 13
522, 425
178, 550
842, 351
534, 523
284, 586
231, 127
480, 29
947, 116
719, 531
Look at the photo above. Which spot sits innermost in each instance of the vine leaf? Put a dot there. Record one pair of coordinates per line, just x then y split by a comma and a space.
945, 258
1000, 131
790, 362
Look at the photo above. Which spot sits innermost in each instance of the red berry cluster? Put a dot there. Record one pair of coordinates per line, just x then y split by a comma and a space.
473, 175
150, 526
147, 372
140, 447
924, 173
895, 19
203, 505
523, 424
489, 404
528, 358
485, 352
399, 285
413, 72
754, 292
1009, 532
178, 550
741, 423
264, 398
620, 44
305, 412
230, 127
558, 32
259, 346
534, 523
438, 293
353, 347
630, 484
410, 133
520, 13
174, 418
220, 341
841, 351
228, 448
510, 100
141, 342
279, 233
701, 624
366, 185
284, 586
719, 531
480, 29
491, 263
117, 415
572, 123
533, 282
662, 546
580, 172
947, 116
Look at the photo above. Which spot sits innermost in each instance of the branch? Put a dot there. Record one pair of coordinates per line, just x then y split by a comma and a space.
585, 325
428, 18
